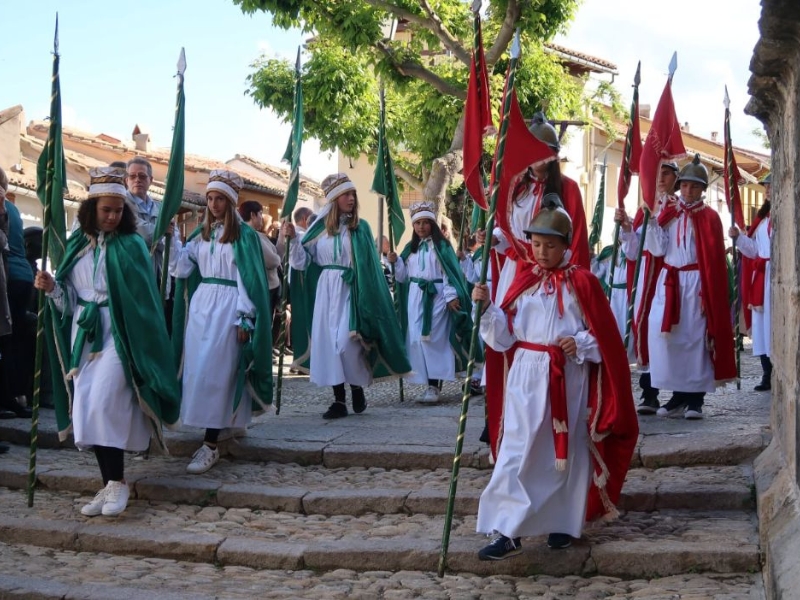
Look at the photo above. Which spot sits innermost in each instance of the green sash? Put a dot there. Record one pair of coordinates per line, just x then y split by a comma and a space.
137, 326
461, 320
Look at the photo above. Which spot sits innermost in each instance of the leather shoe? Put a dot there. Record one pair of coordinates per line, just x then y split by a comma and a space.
7, 414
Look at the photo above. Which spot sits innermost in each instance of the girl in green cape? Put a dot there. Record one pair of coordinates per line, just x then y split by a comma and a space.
353, 334
227, 346
110, 340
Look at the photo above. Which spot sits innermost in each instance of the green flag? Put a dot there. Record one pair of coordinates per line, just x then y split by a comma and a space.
51, 174
599, 209
173, 188
292, 154
385, 181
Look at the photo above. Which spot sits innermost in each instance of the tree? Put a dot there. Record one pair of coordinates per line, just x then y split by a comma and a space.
425, 77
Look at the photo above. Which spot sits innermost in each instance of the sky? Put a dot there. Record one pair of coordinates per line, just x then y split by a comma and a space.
118, 66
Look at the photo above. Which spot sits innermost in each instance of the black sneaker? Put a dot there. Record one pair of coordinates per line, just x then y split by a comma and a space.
674, 407
475, 388
484, 435
337, 410
648, 406
359, 401
500, 548
693, 413
764, 386
559, 541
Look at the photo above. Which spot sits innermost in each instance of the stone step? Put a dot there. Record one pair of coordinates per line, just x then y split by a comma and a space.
637, 545
399, 438
49, 574
355, 491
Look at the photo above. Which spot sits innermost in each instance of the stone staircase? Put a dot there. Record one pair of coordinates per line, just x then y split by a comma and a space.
357, 505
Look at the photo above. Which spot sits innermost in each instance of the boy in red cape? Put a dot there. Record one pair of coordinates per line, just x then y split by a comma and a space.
569, 422
690, 335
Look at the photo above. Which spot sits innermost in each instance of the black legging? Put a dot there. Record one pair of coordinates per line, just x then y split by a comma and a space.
111, 462
212, 435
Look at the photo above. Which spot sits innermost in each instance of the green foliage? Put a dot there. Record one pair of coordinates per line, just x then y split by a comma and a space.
349, 59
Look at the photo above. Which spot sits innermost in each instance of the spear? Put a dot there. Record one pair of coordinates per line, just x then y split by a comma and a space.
173, 188
384, 184
462, 423
292, 155
737, 218
630, 165
663, 141
599, 209
51, 180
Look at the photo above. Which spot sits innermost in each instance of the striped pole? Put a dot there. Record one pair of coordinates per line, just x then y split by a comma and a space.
487, 246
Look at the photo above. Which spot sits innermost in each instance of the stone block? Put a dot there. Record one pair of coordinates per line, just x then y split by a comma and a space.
199, 491
260, 450
264, 497
396, 554
82, 481
160, 543
434, 502
14, 476
354, 502
39, 532
261, 554
664, 557
388, 457
31, 588
686, 449
536, 559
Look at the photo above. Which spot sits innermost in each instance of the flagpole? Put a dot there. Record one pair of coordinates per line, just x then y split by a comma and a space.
487, 246
42, 301
737, 303
290, 199
673, 66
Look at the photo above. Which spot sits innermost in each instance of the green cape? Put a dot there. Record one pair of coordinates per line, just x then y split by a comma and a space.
137, 326
461, 320
372, 314
255, 360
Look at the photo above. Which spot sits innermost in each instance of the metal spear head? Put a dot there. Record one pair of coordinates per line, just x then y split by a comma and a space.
673, 64
182, 63
727, 100
637, 79
476, 6
55, 38
515, 45
297, 62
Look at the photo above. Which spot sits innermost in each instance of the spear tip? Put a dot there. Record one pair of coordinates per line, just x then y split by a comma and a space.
673, 64
637, 79
727, 100
55, 37
182, 62
476, 6
297, 62
515, 46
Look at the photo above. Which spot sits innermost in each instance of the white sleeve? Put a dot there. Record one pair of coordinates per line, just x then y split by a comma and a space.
588, 350
448, 290
299, 256
747, 246
245, 309
656, 239
467, 268
185, 262
494, 329
630, 243
502, 245
400, 270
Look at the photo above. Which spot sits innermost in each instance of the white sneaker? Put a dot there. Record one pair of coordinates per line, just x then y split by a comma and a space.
95, 507
203, 460
431, 395
117, 494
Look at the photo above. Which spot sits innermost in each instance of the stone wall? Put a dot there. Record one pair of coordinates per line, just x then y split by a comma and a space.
776, 102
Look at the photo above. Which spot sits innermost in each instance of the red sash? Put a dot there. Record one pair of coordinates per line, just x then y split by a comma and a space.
672, 304
558, 398
758, 283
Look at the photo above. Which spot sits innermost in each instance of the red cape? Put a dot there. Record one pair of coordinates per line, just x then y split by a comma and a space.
713, 269
613, 424
495, 362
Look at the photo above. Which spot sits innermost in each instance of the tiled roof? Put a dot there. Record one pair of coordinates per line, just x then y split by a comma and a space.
591, 62
308, 186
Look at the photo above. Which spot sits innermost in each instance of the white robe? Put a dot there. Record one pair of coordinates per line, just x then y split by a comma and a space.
679, 360
211, 346
105, 410
619, 294
759, 247
526, 495
336, 355
431, 358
